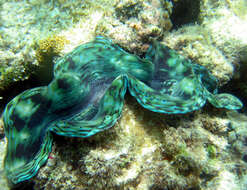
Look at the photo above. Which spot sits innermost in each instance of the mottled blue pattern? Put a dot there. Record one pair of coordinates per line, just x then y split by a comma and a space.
87, 93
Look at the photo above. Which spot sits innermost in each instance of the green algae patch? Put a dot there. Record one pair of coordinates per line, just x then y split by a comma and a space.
212, 151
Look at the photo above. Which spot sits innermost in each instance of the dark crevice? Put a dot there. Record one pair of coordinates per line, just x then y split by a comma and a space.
185, 12
2, 135
23, 186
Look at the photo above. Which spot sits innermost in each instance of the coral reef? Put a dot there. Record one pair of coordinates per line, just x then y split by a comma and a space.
195, 43
37, 19
202, 150
76, 21
216, 39
135, 22
131, 23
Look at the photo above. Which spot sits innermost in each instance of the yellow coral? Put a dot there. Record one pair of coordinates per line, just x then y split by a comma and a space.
50, 47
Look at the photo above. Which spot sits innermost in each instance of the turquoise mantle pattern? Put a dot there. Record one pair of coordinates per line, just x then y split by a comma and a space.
87, 93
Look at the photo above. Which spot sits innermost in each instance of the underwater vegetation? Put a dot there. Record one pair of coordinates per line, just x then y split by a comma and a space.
86, 96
